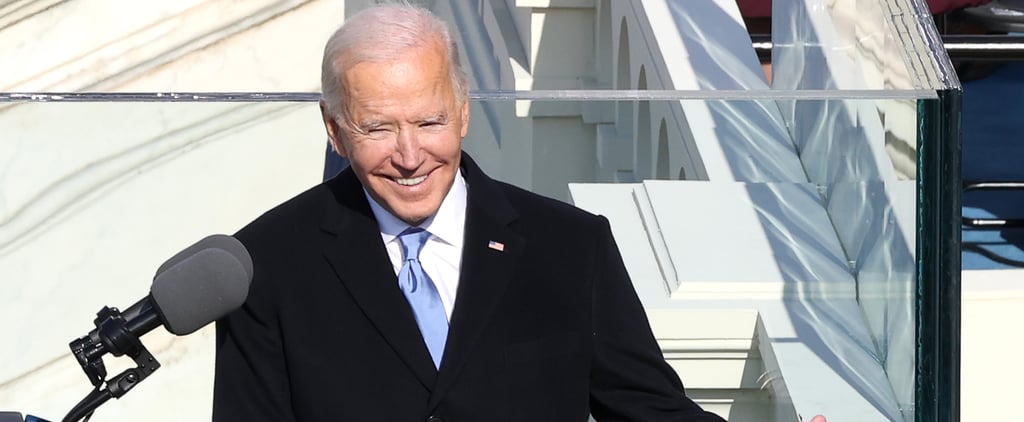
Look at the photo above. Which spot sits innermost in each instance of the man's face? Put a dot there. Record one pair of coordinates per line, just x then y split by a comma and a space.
404, 131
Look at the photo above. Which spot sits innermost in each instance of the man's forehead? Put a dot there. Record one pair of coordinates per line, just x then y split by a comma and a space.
432, 100
370, 107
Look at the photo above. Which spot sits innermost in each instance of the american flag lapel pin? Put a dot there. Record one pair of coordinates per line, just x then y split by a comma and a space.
498, 246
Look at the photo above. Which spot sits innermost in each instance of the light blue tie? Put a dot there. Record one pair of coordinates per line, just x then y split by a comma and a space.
422, 294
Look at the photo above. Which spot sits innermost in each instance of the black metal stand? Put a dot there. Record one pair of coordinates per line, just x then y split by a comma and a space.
112, 335
993, 222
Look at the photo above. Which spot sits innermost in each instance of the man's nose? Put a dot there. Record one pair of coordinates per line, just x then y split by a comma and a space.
407, 152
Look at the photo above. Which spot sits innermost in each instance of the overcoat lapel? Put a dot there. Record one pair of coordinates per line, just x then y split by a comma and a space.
356, 253
490, 253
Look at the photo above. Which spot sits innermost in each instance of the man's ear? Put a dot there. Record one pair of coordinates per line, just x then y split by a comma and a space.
333, 130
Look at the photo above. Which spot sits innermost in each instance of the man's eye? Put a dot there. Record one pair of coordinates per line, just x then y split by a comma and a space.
377, 131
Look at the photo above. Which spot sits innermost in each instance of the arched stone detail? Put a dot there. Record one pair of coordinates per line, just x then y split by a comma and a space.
604, 44
624, 109
662, 154
643, 142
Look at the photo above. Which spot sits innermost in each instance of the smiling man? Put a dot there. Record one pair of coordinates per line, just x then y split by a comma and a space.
412, 287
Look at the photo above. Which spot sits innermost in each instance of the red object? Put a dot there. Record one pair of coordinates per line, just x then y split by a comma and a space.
763, 8
755, 8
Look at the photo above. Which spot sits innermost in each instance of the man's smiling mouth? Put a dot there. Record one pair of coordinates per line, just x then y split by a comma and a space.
413, 181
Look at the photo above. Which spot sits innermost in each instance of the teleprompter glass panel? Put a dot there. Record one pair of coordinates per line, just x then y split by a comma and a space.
710, 200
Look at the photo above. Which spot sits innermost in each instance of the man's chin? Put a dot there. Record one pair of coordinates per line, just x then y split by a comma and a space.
413, 217
412, 220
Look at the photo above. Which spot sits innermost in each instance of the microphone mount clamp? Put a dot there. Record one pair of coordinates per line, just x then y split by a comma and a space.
113, 334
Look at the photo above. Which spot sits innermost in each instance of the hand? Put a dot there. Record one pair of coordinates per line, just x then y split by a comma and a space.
819, 418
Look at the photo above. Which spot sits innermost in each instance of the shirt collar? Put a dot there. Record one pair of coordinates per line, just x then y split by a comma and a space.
447, 225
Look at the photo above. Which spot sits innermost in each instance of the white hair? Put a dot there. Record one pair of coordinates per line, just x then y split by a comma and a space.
385, 32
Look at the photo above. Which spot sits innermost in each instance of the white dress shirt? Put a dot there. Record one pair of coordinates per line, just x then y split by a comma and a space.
441, 256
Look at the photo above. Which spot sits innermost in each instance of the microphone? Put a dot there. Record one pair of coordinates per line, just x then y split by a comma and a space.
201, 284
193, 288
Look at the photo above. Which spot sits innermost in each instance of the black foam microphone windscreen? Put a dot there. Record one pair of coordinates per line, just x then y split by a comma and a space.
202, 283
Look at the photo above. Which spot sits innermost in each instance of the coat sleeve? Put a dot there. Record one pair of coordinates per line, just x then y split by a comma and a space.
251, 381
630, 380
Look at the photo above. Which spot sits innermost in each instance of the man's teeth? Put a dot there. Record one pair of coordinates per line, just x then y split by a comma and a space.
411, 182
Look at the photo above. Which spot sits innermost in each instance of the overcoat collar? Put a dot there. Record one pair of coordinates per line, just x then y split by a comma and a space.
490, 253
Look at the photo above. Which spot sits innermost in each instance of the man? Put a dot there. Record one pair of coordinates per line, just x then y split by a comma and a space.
504, 306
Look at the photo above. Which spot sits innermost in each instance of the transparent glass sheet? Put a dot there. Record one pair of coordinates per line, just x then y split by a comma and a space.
99, 183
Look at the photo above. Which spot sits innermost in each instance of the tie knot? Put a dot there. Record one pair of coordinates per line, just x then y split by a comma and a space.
412, 240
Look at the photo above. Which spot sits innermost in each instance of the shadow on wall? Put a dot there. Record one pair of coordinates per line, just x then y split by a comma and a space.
752, 132
814, 272
833, 145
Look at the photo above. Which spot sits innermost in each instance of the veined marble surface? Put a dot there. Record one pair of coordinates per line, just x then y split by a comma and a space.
188, 45
95, 196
